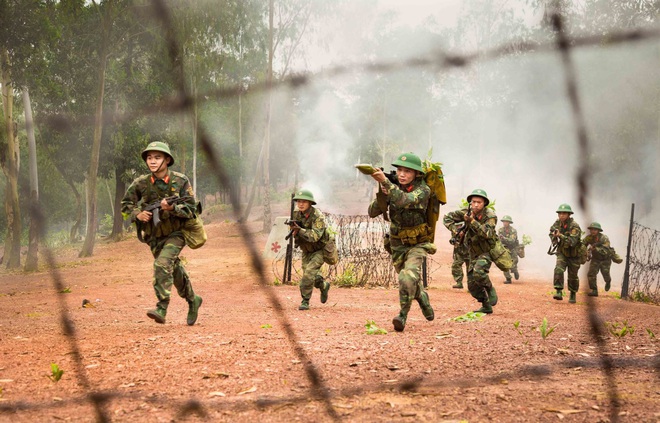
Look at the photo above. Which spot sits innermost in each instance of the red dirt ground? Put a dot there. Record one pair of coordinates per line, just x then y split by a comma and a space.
238, 363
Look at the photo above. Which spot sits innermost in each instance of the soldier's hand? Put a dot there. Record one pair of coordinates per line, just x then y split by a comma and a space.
468, 218
165, 205
379, 176
144, 216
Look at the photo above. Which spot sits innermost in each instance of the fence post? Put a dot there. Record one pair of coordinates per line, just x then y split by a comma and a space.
626, 272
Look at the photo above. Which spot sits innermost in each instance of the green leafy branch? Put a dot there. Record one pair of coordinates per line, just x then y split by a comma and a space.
372, 329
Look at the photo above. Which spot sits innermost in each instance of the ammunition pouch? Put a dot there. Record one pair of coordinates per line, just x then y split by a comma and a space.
193, 230
330, 255
414, 235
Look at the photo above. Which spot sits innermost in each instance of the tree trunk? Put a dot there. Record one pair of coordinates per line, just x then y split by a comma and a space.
32, 259
269, 81
73, 234
10, 168
90, 236
118, 219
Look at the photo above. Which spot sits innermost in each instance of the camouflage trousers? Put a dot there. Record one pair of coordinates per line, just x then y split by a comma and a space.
168, 269
461, 256
573, 265
407, 261
602, 266
479, 283
311, 266
514, 268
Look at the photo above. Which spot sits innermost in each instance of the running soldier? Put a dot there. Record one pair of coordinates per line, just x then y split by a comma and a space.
509, 237
601, 254
565, 236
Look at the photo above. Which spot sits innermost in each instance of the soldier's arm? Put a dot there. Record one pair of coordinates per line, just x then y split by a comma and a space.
573, 238
317, 230
129, 209
374, 210
398, 197
485, 230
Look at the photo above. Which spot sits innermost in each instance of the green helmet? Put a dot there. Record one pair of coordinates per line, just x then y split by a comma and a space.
564, 208
479, 193
507, 218
409, 160
305, 194
158, 146
595, 225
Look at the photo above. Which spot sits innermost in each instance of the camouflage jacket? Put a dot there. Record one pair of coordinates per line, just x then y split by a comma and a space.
508, 236
480, 236
147, 189
569, 240
313, 236
600, 246
407, 209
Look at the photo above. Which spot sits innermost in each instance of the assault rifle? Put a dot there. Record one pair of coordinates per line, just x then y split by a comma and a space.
554, 242
293, 224
457, 239
155, 208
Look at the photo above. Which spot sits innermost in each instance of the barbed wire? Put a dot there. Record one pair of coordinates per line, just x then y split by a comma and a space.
644, 279
361, 242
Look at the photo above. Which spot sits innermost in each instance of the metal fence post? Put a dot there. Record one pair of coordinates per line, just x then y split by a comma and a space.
626, 272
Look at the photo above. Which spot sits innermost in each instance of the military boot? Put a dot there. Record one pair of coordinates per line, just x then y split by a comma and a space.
507, 281
324, 292
492, 296
193, 308
458, 285
158, 314
399, 322
516, 274
572, 298
593, 293
607, 285
558, 295
425, 305
304, 305
485, 308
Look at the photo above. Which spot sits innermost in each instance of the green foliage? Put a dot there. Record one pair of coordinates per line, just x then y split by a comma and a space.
526, 239
516, 325
348, 278
470, 316
650, 333
277, 281
545, 329
66, 290
266, 326
106, 224
619, 329
641, 297
491, 205
55, 372
372, 329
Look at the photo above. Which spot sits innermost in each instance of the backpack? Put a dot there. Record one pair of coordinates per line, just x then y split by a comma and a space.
193, 230
436, 181
501, 256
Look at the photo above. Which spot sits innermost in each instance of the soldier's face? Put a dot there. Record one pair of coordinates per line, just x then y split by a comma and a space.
563, 216
593, 232
405, 175
506, 224
477, 204
303, 205
155, 160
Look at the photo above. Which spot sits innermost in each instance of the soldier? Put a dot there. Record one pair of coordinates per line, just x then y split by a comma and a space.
601, 255
460, 256
409, 237
166, 239
479, 238
565, 234
509, 237
310, 234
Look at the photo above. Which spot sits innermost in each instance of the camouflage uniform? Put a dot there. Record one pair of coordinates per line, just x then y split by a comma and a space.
311, 239
460, 256
601, 261
166, 241
567, 256
509, 238
479, 238
409, 241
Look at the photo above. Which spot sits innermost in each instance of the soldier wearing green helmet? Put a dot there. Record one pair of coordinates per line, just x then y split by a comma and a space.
317, 244
566, 234
601, 254
479, 236
509, 237
166, 239
409, 238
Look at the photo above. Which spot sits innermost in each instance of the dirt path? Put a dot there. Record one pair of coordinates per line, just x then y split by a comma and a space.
239, 364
